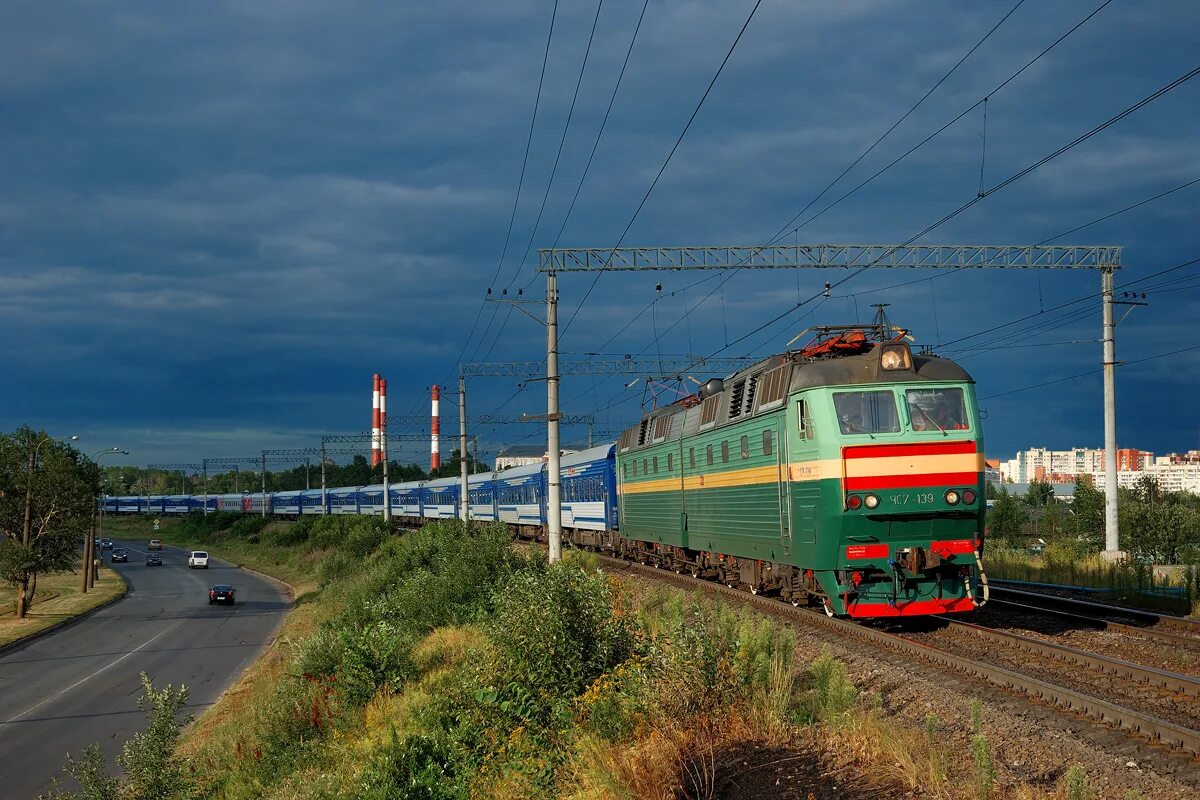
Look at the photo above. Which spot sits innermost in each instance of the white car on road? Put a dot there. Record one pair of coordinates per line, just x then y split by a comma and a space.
198, 559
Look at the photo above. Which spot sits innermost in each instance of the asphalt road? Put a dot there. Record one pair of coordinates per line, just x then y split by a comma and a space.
80, 685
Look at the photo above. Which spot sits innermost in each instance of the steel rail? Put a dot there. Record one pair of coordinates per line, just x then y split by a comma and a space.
1095, 708
1188, 628
1099, 623
1137, 673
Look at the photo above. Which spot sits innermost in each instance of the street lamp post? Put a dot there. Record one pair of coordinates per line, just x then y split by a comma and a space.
27, 527
89, 544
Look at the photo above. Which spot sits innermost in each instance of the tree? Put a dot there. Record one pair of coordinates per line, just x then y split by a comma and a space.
1088, 510
450, 467
1040, 494
1007, 517
1147, 490
47, 496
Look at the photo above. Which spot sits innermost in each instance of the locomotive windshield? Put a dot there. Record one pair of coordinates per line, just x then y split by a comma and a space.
866, 412
936, 409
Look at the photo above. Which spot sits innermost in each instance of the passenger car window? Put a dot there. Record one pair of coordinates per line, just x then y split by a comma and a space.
866, 412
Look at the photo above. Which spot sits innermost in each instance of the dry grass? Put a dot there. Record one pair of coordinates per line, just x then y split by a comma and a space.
58, 599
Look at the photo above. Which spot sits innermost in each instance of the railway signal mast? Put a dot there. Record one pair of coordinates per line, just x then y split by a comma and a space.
1105, 258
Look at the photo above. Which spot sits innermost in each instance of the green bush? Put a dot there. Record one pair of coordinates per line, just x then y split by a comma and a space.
831, 694
555, 633
413, 768
247, 526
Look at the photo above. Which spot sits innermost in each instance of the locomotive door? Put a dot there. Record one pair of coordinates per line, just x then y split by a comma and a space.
782, 483
804, 487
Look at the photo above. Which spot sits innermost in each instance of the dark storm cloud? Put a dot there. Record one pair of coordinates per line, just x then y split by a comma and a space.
217, 220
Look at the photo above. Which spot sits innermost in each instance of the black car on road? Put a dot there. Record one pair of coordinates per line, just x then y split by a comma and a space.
120, 554
106, 544
153, 560
220, 593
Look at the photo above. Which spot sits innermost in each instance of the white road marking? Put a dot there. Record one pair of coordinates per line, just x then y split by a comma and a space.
81, 681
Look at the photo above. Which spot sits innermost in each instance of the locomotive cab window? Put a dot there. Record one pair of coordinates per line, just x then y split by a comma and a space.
866, 412
936, 410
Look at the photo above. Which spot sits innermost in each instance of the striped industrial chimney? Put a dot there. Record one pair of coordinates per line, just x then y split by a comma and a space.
375, 454
435, 456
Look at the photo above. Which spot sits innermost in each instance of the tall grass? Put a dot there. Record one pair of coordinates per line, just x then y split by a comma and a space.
1136, 584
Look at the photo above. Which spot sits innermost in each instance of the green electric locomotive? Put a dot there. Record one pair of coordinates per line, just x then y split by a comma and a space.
849, 474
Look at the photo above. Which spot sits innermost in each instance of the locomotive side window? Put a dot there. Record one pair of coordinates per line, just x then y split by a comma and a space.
866, 412
725, 452
655, 465
691, 458
745, 447
936, 409
804, 422
709, 454
768, 443
670, 462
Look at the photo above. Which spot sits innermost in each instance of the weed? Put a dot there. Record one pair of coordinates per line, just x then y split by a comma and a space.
831, 695
1075, 783
985, 767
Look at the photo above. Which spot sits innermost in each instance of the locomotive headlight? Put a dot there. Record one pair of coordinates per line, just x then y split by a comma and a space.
951, 497
854, 502
871, 501
968, 497
895, 356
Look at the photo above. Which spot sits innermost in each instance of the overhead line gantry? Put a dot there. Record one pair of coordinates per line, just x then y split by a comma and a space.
555, 260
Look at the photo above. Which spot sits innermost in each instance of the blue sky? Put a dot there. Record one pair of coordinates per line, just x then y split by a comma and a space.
218, 220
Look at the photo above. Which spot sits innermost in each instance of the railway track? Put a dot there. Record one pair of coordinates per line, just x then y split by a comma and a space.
1169, 630
1132, 721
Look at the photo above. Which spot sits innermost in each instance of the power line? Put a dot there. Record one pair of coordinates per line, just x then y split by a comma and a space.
520, 183
1018, 175
786, 229
670, 155
1091, 372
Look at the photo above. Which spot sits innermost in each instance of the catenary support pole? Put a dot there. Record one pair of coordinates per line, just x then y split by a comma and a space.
1112, 543
264, 485
383, 444
204, 470
324, 493
464, 503
553, 467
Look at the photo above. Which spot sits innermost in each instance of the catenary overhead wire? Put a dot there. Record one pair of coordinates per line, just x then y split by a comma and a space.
679, 140
788, 230
1011, 179
562, 139
517, 198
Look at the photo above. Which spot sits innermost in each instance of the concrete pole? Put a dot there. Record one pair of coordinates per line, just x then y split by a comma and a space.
204, 470
324, 494
464, 502
93, 569
383, 446
264, 485
88, 543
1112, 544
553, 468
307, 474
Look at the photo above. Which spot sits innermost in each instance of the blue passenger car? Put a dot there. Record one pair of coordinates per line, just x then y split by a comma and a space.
312, 502
589, 489
520, 495
439, 498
